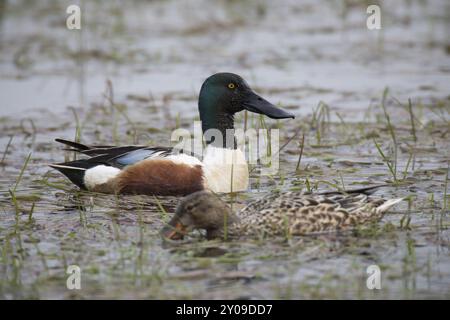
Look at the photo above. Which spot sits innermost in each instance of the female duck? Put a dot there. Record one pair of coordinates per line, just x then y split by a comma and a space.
291, 213
162, 171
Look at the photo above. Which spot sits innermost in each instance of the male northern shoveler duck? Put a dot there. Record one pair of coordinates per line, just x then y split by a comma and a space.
286, 214
162, 171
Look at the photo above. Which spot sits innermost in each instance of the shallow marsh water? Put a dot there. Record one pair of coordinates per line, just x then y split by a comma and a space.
155, 55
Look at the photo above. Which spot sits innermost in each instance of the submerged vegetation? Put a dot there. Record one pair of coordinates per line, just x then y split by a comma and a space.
342, 138
115, 240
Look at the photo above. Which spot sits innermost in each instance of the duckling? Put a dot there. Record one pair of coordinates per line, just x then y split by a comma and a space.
289, 213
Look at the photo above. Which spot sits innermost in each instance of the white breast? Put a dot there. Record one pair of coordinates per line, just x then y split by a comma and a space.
99, 175
225, 170
184, 159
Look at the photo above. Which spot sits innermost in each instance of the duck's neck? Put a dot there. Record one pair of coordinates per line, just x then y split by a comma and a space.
218, 130
217, 117
229, 230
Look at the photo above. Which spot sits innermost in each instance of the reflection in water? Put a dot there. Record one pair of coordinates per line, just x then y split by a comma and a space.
211, 252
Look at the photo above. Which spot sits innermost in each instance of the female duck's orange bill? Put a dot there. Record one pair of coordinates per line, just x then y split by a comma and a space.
176, 232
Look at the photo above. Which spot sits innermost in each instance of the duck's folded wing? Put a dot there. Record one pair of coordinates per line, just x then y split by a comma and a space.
97, 150
135, 156
120, 160
116, 156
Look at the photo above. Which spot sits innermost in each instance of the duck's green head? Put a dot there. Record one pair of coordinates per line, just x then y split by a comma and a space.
224, 94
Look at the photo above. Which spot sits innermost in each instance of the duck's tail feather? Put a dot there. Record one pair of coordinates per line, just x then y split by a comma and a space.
75, 145
388, 204
74, 170
365, 190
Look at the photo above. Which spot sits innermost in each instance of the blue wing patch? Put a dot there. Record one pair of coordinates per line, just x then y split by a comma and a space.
138, 155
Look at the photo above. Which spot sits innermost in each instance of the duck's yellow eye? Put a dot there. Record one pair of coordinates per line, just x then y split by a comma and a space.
231, 86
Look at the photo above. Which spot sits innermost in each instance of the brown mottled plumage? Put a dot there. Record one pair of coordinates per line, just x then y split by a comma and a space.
285, 214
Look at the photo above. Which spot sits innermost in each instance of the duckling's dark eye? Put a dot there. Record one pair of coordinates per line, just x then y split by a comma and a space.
231, 86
